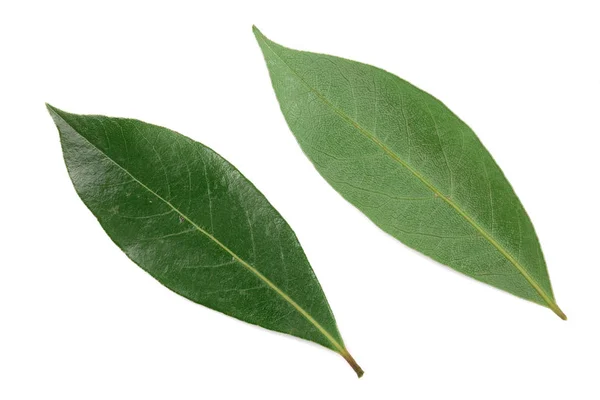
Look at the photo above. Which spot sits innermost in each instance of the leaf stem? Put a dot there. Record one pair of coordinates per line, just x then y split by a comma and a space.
554, 307
352, 363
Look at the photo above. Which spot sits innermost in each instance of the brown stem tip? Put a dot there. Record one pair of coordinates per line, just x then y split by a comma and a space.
352, 363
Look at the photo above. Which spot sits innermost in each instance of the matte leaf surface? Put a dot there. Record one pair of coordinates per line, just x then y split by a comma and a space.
196, 224
411, 165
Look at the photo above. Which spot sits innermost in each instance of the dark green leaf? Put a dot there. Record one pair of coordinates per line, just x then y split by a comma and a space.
196, 224
411, 165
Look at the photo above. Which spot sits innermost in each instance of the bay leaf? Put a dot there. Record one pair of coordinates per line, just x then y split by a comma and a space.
191, 220
412, 166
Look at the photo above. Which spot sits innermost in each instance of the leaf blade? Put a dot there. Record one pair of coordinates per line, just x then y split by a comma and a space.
367, 113
165, 219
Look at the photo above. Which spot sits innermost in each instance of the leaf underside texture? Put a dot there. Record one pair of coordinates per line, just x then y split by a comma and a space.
413, 167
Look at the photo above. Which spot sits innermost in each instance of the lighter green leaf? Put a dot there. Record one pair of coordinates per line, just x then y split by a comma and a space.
411, 165
196, 224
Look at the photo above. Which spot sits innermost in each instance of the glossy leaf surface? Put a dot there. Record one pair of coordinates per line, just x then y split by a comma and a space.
411, 165
196, 224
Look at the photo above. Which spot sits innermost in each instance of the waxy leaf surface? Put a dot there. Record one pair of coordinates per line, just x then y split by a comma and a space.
411, 165
196, 224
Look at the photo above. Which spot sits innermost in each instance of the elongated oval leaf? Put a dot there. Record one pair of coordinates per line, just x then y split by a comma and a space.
196, 224
411, 165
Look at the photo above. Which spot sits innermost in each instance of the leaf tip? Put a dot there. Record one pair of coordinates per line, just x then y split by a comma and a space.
50, 108
57, 114
257, 33
54, 111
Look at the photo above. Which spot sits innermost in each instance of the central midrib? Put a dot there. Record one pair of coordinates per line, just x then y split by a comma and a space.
553, 306
250, 268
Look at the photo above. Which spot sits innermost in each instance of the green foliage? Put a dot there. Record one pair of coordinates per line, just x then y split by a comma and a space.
411, 165
196, 224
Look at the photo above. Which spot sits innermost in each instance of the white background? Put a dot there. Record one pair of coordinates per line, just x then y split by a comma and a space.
78, 320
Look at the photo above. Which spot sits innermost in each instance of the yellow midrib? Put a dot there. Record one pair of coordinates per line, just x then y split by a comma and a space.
250, 268
551, 304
